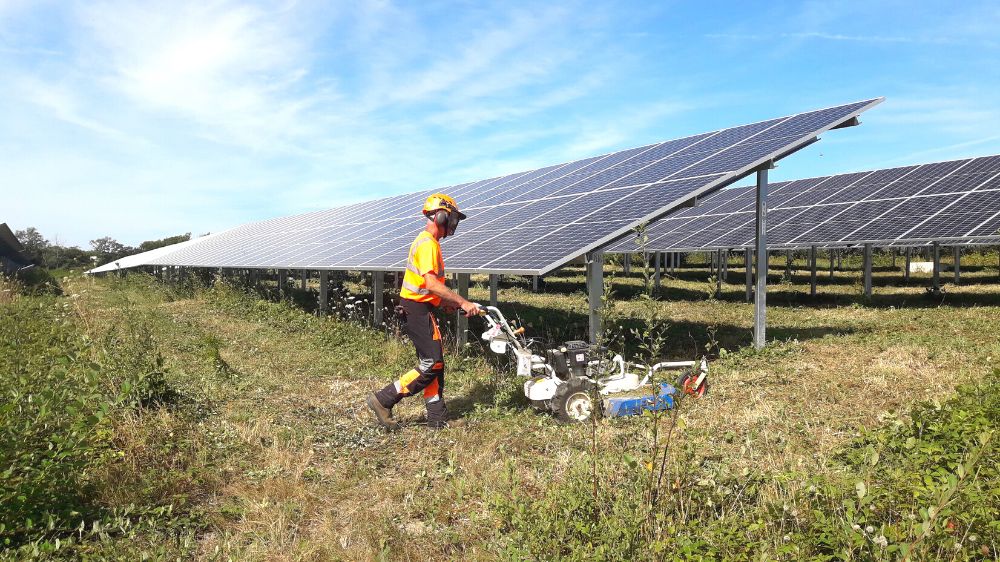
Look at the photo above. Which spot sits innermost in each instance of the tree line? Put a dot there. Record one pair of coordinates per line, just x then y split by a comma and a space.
103, 250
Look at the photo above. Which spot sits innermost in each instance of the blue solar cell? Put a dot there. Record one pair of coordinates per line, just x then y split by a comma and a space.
807, 123
990, 227
740, 156
639, 203
668, 148
957, 184
949, 224
986, 164
937, 170
557, 245
729, 137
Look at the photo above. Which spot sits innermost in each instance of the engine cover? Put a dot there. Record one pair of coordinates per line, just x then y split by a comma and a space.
578, 355
540, 388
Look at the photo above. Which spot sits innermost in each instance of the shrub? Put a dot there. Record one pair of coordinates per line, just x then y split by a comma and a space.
51, 408
34, 281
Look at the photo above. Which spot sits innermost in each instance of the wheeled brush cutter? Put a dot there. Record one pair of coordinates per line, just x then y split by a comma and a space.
572, 380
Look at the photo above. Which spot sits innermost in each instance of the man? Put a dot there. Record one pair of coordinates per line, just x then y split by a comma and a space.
423, 290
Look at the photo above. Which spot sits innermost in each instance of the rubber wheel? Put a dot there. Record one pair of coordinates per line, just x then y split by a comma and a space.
574, 401
686, 385
542, 405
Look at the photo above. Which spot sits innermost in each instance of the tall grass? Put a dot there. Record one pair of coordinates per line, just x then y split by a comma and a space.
927, 488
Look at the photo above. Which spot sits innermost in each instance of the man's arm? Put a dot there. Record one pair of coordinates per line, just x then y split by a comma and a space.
447, 295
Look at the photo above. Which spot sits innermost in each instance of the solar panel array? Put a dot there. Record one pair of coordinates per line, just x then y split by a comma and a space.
951, 202
527, 223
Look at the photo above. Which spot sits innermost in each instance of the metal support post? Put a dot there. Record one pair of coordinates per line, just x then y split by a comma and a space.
937, 267
718, 273
595, 278
324, 292
282, 283
892, 252
378, 304
748, 262
812, 270
831, 263
494, 288
627, 264
868, 270
958, 263
656, 272
760, 299
906, 270
462, 325
305, 279
534, 283
725, 265
788, 263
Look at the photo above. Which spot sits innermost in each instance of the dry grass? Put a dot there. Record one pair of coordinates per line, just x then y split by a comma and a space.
301, 473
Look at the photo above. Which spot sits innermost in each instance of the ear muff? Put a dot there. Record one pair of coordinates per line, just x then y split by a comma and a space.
441, 218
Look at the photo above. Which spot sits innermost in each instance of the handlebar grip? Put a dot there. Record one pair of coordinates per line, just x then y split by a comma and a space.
480, 311
519, 331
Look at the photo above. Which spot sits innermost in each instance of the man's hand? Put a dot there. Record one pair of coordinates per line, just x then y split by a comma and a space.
470, 308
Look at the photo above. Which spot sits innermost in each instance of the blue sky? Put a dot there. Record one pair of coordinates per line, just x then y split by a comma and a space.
143, 120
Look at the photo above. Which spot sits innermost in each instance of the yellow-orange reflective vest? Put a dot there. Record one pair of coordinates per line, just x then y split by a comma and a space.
425, 257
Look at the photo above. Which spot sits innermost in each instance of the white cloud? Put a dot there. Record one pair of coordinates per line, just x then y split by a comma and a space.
231, 69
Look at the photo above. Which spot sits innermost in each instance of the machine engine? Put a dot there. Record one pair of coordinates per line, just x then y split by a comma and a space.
570, 359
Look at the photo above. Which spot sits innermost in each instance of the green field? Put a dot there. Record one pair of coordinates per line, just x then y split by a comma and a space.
144, 420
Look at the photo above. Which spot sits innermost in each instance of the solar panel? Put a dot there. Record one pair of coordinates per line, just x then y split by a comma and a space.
525, 223
956, 202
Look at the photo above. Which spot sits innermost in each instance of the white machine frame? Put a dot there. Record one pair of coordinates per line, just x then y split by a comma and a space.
543, 381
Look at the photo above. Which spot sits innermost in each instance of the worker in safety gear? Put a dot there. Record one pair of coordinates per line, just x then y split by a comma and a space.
423, 290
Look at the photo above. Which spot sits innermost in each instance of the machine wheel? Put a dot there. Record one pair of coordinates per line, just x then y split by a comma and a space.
574, 401
686, 384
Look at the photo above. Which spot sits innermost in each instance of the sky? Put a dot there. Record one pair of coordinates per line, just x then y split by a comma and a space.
141, 120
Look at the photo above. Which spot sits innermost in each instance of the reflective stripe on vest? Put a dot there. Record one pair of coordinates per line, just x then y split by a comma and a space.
420, 291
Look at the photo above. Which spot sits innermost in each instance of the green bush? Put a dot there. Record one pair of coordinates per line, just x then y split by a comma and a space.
133, 366
51, 409
928, 486
36, 281
60, 396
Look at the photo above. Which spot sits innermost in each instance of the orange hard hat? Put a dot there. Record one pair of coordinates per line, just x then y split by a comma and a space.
439, 201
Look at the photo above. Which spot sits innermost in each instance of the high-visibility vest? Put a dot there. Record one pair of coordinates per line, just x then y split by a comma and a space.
425, 257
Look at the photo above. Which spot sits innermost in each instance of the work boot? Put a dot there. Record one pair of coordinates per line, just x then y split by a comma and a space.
437, 413
383, 415
450, 424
